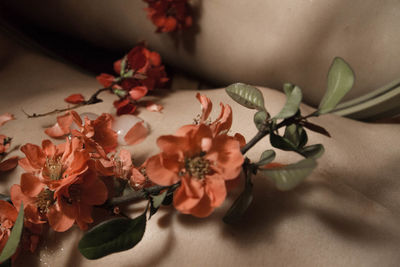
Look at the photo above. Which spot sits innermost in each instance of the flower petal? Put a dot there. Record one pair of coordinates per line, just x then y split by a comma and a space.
136, 134
31, 185
5, 118
58, 220
188, 194
9, 164
35, 155
206, 107
215, 189
75, 99
138, 92
158, 173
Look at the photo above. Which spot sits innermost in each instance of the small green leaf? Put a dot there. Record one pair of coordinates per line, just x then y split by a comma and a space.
123, 66
156, 202
241, 204
290, 176
260, 120
121, 93
315, 128
128, 74
340, 81
281, 142
313, 151
266, 157
13, 240
112, 236
246, 95
293, 100
296, 135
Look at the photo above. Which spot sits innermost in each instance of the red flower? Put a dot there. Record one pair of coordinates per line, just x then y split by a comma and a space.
169, 15
140, 71
202, 162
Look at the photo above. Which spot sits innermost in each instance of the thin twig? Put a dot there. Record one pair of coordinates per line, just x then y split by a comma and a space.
92, 100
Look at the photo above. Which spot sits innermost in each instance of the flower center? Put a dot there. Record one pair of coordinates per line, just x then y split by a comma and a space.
54, 168
197, 166
44, 200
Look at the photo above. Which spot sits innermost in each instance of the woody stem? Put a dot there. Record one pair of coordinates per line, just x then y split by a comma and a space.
92, 100
261, 134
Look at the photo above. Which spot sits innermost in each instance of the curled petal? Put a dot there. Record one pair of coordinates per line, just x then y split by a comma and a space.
61, 128
35, 155
5, 118
206, 107
75, 99
138, 92
105, 79
136, 134
9, 164
224, 122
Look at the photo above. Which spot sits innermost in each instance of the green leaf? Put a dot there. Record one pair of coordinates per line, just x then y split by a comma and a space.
296, 135
266, 157
156, 202
112, 236
260, 120
241, 204
315, 128
290, 176
313, 151
340, 81
128, 74
293, 100
246, 95
13, 241
123, 65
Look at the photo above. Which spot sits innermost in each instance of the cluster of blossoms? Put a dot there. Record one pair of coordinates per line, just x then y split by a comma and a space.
169, 15
139, 72
62, 183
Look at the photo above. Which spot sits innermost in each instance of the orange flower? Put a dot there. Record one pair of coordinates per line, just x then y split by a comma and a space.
65, 189
97, 133
202, 162
8, 216
55, 165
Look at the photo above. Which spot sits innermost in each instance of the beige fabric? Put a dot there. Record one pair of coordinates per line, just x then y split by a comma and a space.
345, 214
264, 42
